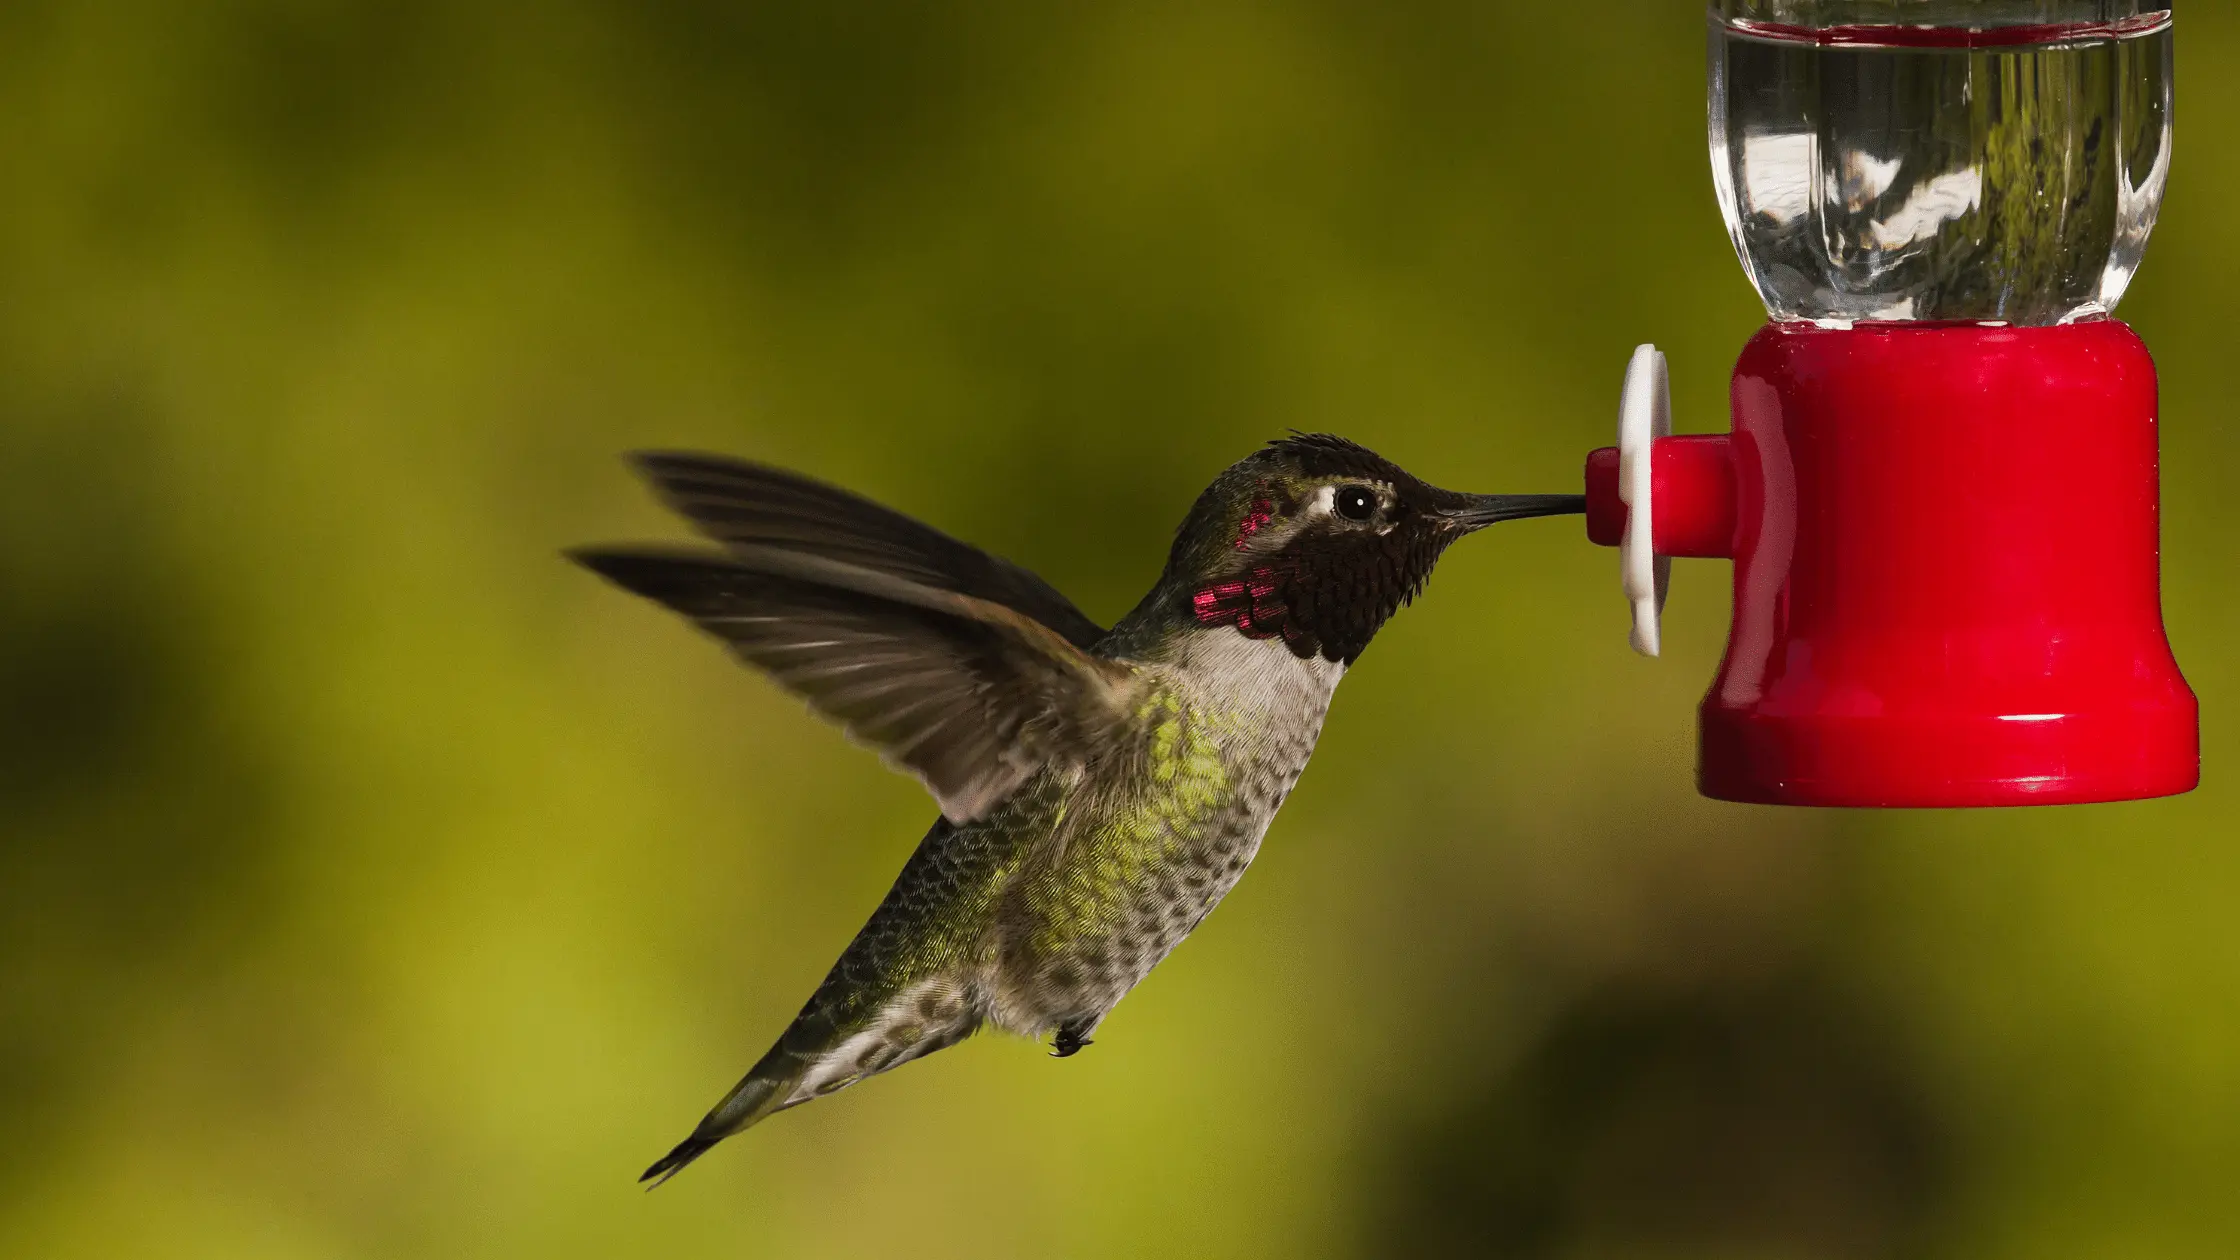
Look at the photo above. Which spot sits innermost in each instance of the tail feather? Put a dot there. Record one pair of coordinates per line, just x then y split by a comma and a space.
673, 1163
761, 1093
819, 1055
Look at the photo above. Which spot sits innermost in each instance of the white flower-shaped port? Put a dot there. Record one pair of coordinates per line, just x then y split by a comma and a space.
1644, 415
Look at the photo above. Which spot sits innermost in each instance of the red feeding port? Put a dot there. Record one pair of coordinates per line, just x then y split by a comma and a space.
1952, 590
1946, 586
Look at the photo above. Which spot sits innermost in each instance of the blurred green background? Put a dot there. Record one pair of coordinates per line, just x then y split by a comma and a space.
374, 884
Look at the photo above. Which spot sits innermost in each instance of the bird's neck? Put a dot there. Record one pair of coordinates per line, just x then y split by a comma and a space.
1266, 601
1293, 597
1186, 634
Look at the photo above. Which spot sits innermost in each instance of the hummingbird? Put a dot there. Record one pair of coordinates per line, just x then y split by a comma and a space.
1100, 790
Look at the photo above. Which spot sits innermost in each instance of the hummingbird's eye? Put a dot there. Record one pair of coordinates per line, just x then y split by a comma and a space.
1355, 503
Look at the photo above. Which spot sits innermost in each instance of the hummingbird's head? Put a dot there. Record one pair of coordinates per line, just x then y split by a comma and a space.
1318, 541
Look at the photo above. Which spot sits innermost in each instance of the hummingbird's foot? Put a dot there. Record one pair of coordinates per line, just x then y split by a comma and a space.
1069, 1042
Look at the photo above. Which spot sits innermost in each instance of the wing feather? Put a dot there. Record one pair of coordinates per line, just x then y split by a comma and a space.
749, 506
971, 696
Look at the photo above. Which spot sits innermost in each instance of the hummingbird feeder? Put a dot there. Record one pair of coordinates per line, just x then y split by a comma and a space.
1940, 489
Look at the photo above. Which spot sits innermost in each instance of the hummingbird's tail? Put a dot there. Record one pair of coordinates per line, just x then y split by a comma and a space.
679, 1155
765, 1090
822, 1054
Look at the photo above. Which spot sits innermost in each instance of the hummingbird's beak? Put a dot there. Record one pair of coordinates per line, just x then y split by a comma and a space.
1476, 511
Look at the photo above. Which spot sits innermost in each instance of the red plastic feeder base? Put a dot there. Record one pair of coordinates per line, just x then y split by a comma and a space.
1947, 573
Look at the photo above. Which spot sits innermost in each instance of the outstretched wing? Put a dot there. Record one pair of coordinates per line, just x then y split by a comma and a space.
747, 505
969, 695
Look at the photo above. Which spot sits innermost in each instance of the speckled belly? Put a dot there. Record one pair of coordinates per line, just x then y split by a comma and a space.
1152, 848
